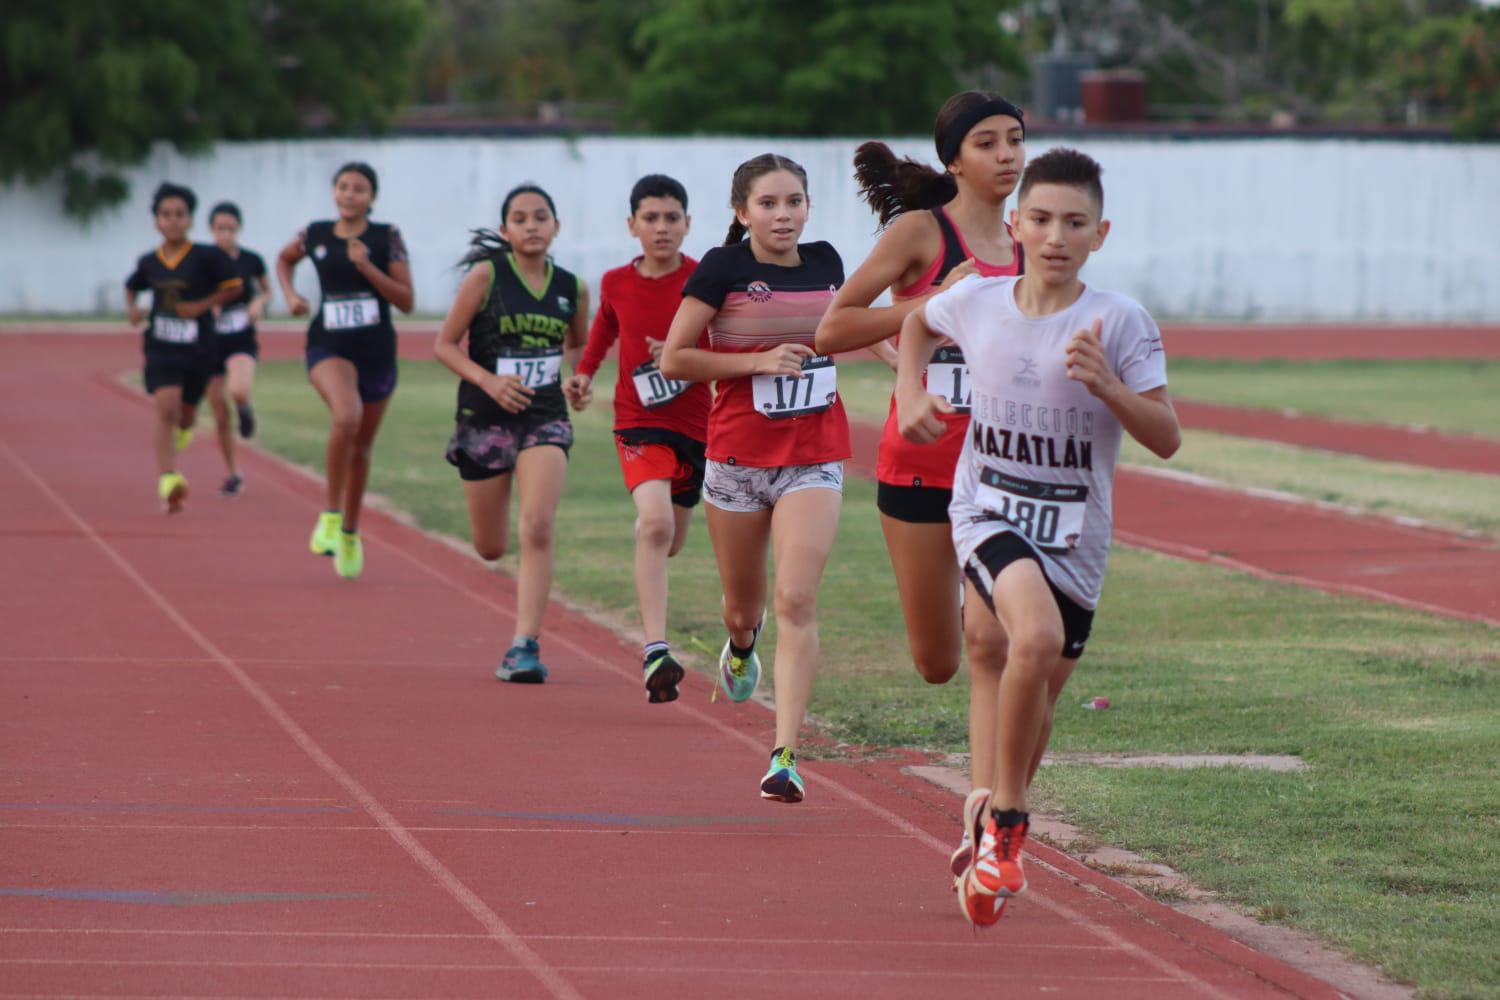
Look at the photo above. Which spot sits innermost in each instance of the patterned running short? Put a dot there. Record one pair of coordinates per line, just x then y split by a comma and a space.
483, 451
746, 489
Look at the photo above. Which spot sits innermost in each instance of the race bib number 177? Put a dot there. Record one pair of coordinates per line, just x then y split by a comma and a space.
782, 396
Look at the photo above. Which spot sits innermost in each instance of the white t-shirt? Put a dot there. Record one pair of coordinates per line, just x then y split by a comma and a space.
1039, 458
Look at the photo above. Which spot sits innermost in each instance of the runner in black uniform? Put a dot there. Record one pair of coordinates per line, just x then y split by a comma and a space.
186, 280
235, 342
523, 316
351, 345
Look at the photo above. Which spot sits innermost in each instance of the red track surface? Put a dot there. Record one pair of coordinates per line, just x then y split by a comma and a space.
1377, 343
1435, 450
228, 773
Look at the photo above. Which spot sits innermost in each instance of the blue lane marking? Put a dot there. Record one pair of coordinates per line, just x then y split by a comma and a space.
153, 897
622, 819
138, 807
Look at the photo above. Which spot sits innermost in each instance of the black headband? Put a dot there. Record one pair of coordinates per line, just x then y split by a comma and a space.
953, 139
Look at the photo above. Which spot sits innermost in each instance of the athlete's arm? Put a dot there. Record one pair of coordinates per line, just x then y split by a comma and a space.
578, 389
197, 307
918, 412
395, 287
506, 390
1147, 416
851, 322
257, 307
683, 359
133, 313
285, 262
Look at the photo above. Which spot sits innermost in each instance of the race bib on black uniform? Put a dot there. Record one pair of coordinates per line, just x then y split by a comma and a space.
536, 368
351, 312
175, 329
233, 319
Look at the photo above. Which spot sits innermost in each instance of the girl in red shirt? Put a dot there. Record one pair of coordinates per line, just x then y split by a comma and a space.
777, 434
941, 227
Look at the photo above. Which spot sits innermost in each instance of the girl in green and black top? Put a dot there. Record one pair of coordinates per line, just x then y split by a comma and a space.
524, 318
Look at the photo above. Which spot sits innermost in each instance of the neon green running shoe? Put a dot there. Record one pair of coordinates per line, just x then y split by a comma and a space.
184, 437
782, 783
325, 537
349, 560
172, 487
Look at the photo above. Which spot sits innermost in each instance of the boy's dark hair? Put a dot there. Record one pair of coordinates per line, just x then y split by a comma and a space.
657, 186
166, 189
485, 243
1065, 166
895, 185
225, 208
363, 169
745, 176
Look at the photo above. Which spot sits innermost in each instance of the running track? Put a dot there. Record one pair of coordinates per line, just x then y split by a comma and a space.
228, 773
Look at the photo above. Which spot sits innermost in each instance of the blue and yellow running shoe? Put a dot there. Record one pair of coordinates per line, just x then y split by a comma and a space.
739, 675
522, 663
782, 783
325, 537
349, 560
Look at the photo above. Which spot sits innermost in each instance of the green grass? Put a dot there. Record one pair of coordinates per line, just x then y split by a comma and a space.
1388, 846
1455, 500
1455, 395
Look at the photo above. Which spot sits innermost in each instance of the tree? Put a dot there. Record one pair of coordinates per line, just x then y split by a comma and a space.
815, 67
92, 84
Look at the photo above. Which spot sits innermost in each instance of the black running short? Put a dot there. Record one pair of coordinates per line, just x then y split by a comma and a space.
191, 372
999, 551
913, 504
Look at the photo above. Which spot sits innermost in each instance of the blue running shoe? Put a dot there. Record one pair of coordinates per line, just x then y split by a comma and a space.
739, 676
521, 664
782, 783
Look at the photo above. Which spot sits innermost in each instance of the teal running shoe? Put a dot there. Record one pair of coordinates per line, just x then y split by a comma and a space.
522, 664
738, 676
782, 783
663, 674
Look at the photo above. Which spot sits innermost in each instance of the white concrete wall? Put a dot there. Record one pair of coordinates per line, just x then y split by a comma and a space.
1273, 229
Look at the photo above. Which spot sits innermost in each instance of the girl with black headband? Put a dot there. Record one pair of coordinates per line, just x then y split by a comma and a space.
941, 227
351, 346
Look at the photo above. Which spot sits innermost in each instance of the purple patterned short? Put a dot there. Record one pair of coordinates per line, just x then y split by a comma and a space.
483, 451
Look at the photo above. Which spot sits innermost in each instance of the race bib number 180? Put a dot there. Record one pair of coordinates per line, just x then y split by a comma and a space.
948, 376
536, 370
351, 314
654, 388
781, 396
1049, 514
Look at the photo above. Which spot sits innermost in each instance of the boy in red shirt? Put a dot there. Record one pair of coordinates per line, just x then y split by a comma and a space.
660, 424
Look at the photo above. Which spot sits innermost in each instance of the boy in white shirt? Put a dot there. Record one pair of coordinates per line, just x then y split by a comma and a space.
1058, 371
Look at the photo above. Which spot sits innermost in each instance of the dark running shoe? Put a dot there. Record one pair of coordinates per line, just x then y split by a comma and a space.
246, 414
663, 674
232, 487
522, 664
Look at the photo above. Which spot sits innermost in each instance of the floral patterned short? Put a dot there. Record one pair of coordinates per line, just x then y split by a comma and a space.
747, 489
483, 451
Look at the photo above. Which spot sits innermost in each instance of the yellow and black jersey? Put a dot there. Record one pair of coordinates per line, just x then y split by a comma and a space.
194, 272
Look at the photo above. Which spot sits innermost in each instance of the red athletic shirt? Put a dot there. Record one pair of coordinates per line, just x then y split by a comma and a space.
633, 307
761, 306
906, 463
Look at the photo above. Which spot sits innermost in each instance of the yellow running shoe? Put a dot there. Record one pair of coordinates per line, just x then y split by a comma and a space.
325, 537
349, 560
173, 490
184, 437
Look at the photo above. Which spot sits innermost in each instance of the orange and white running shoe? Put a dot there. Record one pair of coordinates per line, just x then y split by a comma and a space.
995, 875
974, 809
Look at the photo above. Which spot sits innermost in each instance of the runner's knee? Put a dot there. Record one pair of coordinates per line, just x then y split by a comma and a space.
796, 606
536, 531
655, 532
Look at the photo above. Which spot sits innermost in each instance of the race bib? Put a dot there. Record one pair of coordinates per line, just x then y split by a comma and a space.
654, 388
781, 396
175, 329
948, 376
1049, 514
536, 369
233, 319
351, 313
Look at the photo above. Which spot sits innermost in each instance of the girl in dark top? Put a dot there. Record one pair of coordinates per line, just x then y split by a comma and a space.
524, 318
777, 435
186, 280
235, 340
351, 345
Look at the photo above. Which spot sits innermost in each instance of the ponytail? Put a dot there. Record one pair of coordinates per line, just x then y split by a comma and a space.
745, 176
485, 244
737, 232
894, 186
